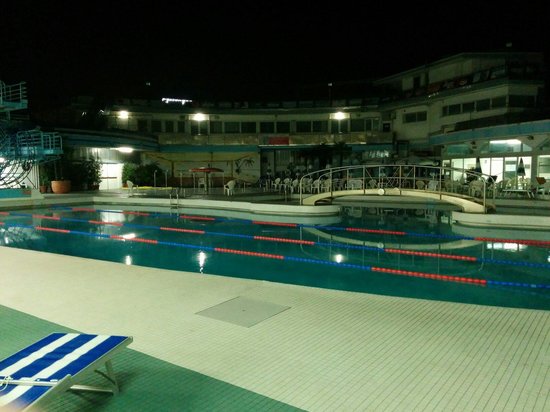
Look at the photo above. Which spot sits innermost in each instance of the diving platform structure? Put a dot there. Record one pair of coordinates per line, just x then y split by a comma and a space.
472, 191
20, 150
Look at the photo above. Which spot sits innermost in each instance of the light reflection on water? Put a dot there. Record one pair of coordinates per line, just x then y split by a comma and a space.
407, 252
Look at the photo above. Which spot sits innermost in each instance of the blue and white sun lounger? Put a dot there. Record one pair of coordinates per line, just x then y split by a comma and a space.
55, 364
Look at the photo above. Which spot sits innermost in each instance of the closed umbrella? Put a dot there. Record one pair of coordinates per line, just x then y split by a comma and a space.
521, 168
520, 172
478, 166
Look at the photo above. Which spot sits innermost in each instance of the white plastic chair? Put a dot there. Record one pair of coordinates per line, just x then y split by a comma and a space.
326, 185
316, 186
130, 186
433, 185
476, 188
306, 185
355, 184
201, 183
277, 183
229, 188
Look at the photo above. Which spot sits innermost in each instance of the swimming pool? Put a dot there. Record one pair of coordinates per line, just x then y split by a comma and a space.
412, 253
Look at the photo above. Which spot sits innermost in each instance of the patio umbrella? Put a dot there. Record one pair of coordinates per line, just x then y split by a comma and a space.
521, 168
477, 169
206, 171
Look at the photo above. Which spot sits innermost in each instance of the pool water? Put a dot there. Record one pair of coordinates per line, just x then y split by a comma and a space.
411, 253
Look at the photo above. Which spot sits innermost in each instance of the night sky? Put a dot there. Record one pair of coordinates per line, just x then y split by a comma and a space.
243, 50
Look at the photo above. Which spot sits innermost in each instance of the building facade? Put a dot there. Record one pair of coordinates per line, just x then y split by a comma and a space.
489, 107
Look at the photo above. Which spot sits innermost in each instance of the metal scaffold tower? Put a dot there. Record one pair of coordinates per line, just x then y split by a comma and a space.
20, 150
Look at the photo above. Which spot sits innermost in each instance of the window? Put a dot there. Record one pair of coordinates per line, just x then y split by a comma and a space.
169, 126
267, 127
468, 107
372, 124
497, 72
357, 125
339, 126
484, 104
142, 125
454, 109
415, 117
248, 127
498, 102
232, 127
303, 127
283, 127
156, 126
195, 128
181, 126
216, 127
320, 126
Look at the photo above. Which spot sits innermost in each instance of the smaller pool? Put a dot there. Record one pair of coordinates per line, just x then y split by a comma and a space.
413, 253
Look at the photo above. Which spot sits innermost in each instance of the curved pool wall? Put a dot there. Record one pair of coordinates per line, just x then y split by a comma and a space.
414, 253
535, 214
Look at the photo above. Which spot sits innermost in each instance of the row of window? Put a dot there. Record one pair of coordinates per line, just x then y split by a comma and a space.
219, 127
487, 104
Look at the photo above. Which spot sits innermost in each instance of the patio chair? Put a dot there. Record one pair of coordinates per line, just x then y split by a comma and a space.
201, 182
229, 188
130, 186
316, 186
55, 364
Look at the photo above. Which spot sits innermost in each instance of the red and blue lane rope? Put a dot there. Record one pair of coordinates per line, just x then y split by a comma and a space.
294, 241
393, 271
425, 275
434, 276
542, 243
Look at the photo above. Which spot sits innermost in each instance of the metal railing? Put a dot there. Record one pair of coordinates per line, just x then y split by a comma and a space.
13, 95
441, 180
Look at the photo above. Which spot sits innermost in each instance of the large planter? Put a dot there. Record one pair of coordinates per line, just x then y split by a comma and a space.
61, 186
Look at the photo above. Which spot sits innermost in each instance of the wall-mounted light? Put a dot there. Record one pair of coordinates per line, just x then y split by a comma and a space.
339, 116
199, 117
125, 149
123, 114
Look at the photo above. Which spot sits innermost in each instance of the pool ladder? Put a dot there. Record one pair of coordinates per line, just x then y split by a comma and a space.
175, 198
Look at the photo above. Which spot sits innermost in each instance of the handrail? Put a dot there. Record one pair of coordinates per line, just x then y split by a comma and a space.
13, 93
435, 179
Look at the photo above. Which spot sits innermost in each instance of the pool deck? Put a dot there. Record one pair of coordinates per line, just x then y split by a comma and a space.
327, 350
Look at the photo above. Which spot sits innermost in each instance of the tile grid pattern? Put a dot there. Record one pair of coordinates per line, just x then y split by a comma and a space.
331, 351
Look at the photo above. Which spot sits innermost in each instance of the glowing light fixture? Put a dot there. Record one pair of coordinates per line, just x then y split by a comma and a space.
339, 116
199, 117
123, 114
509, 141
125, 149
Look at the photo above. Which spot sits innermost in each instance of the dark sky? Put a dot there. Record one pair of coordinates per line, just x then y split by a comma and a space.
243, 49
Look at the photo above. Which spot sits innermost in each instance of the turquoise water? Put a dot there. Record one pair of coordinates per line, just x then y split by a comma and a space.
410, 253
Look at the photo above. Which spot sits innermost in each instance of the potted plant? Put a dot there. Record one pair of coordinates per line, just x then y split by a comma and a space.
44, 181
61, 186
58, 183
92, 173
128, 173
